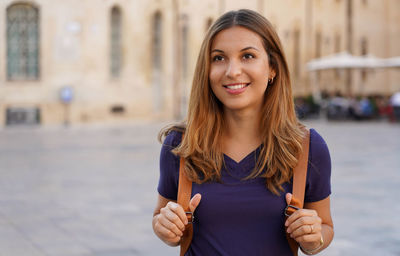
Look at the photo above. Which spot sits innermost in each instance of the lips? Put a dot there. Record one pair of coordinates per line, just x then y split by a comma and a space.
236, 88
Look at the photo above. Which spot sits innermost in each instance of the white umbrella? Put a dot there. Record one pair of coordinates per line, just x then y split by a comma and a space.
344, 60
393, 62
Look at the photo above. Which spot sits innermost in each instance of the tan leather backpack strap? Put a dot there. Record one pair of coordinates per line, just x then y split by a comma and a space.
184, 194
300, 171
299, 187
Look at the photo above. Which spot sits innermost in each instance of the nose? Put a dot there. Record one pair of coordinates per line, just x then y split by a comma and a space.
234, 69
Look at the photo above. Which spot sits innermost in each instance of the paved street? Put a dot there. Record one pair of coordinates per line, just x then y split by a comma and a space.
90, 190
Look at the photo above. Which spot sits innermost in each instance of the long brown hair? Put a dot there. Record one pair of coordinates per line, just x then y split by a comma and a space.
281, 134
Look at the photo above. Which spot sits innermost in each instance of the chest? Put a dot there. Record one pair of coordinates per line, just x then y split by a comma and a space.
245, 202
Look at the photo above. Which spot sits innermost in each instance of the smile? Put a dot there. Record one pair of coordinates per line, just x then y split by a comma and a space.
236, 86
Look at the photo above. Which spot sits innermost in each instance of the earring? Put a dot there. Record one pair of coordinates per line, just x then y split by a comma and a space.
270, 81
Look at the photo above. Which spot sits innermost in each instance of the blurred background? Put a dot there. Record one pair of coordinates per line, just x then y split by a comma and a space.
100, 61
86, 85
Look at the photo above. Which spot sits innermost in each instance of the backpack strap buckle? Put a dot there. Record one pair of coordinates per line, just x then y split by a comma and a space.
190, 217
290, 209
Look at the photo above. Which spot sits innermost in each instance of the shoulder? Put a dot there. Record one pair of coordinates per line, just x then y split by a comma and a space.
315, 137
318, 146
173, 139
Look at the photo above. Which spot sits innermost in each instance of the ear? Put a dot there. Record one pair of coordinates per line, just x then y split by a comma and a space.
272, 73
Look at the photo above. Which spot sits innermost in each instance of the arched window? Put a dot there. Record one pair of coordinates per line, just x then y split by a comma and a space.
156, 51
318, 51
336, 49
22, 42
184, 37
337, 43
157, 41
116, 42
184, 44
296, 53
318, 44
209, 22
364, 51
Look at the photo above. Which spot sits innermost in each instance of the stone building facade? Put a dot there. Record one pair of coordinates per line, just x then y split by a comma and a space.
105, 60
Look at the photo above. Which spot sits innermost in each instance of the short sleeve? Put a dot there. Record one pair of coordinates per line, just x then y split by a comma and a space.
318, 185
169, 167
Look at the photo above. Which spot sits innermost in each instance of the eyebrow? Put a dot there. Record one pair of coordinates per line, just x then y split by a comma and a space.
244, 49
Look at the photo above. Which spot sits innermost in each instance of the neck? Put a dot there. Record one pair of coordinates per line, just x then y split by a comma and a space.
242, 126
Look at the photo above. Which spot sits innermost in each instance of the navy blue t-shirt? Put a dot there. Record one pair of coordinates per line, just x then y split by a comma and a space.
237, 217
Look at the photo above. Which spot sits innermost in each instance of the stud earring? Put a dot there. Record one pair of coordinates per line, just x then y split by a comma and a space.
270, 81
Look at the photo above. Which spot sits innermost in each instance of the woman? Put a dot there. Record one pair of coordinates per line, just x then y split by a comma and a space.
241, 141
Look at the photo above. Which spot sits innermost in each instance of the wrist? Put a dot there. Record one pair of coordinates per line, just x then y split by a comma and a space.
315, 249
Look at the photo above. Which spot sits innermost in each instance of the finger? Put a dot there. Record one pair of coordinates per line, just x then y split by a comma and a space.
311, 238
298, 214
174, 218
288, 198
306, 230
171, 226
306, 220
194, 202
178, 210
176, 239
165, 232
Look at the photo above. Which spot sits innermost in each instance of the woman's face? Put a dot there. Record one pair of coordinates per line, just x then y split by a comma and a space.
239, 70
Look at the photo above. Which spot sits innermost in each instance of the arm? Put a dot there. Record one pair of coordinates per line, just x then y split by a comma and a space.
308, 225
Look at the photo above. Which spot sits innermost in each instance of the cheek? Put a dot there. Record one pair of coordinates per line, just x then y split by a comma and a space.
214, 86
216, 71
262, 74
212, 79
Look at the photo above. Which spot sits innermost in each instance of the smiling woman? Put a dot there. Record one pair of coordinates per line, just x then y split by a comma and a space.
241, 146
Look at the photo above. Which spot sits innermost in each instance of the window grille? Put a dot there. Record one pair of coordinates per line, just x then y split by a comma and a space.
22, 115
22, 42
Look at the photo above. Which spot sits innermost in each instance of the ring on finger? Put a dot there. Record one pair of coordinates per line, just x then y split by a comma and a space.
312, 229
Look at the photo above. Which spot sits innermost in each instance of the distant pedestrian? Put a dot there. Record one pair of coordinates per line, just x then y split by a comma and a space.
395, 102
241, 141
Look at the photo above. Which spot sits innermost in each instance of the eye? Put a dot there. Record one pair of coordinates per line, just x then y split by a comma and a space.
217, 58
248, 56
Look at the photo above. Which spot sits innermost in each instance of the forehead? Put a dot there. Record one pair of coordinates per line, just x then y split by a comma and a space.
236, 37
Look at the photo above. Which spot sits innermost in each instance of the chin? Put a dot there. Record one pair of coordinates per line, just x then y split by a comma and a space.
235, 107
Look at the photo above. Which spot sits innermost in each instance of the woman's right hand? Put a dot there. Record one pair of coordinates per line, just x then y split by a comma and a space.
169, 221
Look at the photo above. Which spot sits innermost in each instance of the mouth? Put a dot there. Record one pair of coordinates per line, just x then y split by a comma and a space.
236, 86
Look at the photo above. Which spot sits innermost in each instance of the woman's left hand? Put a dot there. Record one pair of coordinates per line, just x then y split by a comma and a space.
305, 227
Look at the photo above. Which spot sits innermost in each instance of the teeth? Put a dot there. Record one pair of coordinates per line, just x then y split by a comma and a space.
235, 87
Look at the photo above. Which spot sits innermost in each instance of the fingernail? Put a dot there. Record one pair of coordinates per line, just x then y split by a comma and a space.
286, 223
288, 230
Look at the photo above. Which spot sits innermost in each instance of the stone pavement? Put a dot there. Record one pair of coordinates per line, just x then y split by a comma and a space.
91, 190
